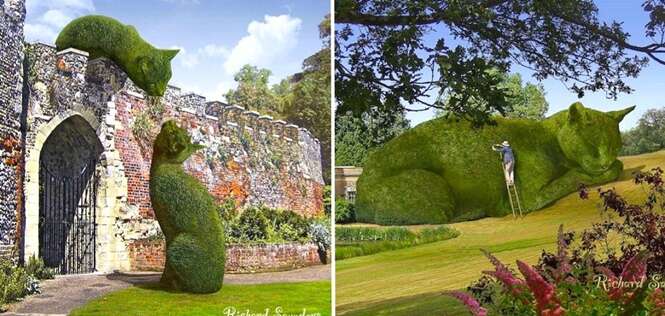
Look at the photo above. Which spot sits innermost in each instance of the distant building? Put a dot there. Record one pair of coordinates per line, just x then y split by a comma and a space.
345, 182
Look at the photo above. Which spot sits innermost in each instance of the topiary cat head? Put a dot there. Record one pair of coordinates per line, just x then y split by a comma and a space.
591, 138
173, 144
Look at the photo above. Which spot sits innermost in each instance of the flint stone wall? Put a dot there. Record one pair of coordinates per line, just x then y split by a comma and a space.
12, 15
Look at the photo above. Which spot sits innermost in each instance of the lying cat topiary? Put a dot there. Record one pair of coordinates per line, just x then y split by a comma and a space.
443, 171
188, 217
101, 36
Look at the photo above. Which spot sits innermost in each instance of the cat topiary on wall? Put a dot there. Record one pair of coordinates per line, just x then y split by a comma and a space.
101, 36
443, 171
188, 216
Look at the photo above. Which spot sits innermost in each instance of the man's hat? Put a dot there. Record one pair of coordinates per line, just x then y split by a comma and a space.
505, 143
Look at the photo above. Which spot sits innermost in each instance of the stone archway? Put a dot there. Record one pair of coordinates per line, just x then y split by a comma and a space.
65, 148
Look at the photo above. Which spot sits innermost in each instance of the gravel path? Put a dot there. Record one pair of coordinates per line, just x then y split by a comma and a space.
64, 293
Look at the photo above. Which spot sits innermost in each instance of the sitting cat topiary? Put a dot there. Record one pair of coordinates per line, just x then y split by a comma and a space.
443, 171
101, 36
188, 216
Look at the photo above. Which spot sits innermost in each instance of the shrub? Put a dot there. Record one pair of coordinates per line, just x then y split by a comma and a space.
15, 282
188, 216
434, 173
326, 200
38, 269
252, 225
260, 224
344, 211
362, 241
101, 36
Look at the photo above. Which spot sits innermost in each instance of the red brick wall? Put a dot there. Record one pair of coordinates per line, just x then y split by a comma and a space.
148, 255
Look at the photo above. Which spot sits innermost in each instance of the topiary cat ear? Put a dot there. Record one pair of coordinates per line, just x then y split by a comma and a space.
170, 53
619, 115
575, 112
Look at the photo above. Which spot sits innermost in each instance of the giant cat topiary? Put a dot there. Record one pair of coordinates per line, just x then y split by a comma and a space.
443, 171
188, 216
101, 36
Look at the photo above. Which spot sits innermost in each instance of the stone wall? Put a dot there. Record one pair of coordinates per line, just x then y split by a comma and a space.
147, 255
12, 16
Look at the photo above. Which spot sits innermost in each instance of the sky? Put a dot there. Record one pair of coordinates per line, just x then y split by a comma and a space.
215, 37
649, 87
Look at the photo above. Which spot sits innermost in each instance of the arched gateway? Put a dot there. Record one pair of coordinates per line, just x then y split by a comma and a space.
61, 205
68, 197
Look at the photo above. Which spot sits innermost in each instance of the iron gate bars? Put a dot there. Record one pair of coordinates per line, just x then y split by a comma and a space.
67, 222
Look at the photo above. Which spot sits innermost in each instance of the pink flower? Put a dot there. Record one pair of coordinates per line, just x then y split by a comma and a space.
634, 271
564, 267
636, 268
471, 303
503, 274
543, 291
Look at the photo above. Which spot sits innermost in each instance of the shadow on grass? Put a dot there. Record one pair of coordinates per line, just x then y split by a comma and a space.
433, 303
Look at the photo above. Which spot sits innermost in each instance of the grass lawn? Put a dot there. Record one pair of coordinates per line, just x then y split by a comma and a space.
291, 298
410, 280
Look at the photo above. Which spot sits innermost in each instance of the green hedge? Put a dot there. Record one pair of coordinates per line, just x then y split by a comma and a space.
445, 171
188, 216
344, 211
101, 36
362, 241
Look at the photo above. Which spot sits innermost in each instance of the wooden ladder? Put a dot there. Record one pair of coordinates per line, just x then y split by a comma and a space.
517, 198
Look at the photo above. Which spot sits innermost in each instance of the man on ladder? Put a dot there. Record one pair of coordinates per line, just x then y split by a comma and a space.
509, 172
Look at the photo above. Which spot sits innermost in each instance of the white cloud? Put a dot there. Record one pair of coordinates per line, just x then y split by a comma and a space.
45, 18
186, 59
213, 50
56, 18
39, 32
266, 41
221, 89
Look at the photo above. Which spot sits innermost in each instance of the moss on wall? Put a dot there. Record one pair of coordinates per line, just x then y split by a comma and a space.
187, 215
443, 171
101, 36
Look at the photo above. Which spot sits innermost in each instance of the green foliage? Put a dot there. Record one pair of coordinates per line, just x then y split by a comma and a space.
344, 211
142, 126
362, 241
188, 216
402, 53
252, 91
524, 101
260, 224
36, 267
327, 205
647, 136
15, 283
445, 171
356, 137
101, 36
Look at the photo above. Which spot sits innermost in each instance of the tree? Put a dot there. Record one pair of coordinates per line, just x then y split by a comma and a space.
307, 103
523, 101
356, 137
253, 92
647, 136
382, 56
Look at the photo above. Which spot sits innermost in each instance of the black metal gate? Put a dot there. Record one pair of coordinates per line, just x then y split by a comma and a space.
67, 226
